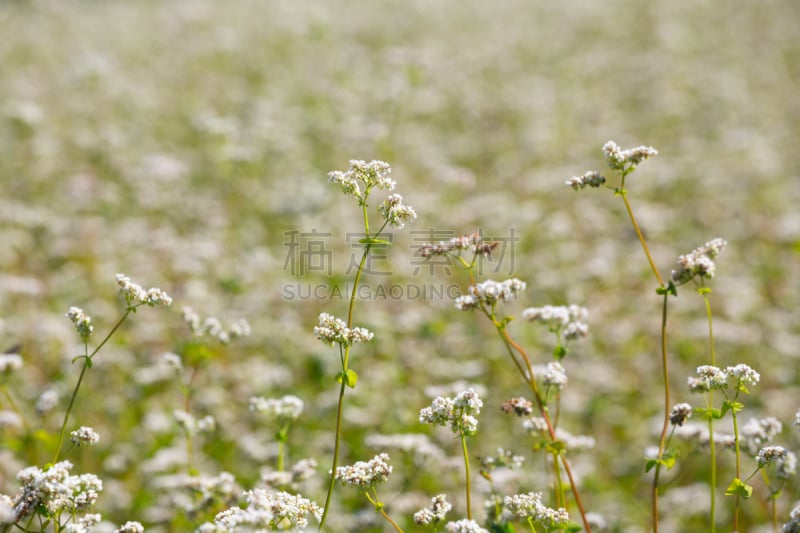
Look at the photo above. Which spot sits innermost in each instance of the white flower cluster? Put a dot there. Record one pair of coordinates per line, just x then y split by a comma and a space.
332, 330
464, 526
458, 413
300, 471
592, 178
567, 318
83, 524
435, 513
213, 327
793, 525
755, 433
618, 159
84, 435
711, 377
680, 413
10, 362
81, 321
130, 527
191, 425
783, 459
530, 506
505, 459
395, 212
372, 174
194, 493
473, 241
135, 294
699, 262
265, 511
365, 474
55, 490
286, 408
489, 292
555, 375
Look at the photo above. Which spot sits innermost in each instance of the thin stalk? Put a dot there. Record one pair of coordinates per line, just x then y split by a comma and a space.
339, 408
466, 471
738, 467
86, 359
713, 511
641, 237
379, 508
663, 438
511, 346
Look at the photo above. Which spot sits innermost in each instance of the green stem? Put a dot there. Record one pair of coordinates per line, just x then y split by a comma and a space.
466, 470
345, 361
641, 237
738, 465
712, 517
665, 426
513, 346
379, 508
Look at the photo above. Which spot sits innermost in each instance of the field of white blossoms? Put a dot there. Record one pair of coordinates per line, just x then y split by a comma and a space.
213, 291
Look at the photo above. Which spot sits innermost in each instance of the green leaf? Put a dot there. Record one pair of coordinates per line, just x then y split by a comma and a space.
669, 458
740, 488
556, 447
708, 412
372, 240
505, 527
559, 352
349, 377
650, 464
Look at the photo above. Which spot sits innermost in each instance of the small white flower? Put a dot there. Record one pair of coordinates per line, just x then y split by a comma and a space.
84, 435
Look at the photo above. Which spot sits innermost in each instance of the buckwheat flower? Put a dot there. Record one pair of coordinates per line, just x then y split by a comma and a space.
372, 174
130, 527
555, 376
591, 178
191, 425
47, 401
81, 321
457, 413
365, 474
787, 468
530, 506
286, 508
636, 155
466, 302
518, 406
156, 296
332, 330
743, 374
504, 459
7, 514
9, 419
709, 377
435, 513
56, 490
464, 526
793, 526
266, 511
755, 433
174, 360
613, 155
395, 212
287, 408
10, 362
84, 435
699, 262
769, 455
680, 413
240, 328
797, 418
135, 294
84, 524
596, 521
192, 319
346, 181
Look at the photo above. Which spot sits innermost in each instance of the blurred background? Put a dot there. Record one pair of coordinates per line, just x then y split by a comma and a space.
185, 143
